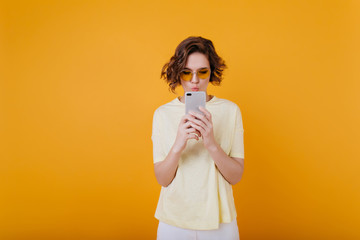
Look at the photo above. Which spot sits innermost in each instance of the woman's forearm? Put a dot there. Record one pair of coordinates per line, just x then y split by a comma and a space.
229, 168
165, 170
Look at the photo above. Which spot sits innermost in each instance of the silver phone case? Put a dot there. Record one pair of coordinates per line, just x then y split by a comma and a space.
193, 100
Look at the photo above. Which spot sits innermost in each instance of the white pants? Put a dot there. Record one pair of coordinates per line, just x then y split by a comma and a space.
226, 231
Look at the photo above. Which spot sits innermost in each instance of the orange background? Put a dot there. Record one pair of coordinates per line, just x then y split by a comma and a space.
80, 82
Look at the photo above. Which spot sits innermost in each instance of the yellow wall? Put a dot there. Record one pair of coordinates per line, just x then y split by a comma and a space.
82, 82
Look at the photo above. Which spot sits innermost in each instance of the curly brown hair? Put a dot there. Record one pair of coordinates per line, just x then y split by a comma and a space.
171, 70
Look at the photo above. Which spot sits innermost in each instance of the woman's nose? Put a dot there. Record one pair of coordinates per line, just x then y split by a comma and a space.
194, 78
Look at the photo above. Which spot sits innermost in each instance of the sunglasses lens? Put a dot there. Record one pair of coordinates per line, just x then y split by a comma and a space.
203, 74
186, 75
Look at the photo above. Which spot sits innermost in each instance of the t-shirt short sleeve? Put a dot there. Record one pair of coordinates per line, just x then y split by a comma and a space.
158, 153
237, 147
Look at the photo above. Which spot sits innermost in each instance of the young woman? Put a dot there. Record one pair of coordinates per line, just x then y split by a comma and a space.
197, 157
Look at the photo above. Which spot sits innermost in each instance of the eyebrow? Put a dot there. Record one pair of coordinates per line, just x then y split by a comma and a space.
197, 69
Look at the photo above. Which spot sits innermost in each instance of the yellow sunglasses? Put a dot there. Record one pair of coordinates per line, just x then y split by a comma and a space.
187, 75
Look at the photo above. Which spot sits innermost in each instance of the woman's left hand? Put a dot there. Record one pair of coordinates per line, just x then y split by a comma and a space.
203, 123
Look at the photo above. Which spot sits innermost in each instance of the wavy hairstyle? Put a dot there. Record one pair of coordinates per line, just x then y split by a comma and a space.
171, 70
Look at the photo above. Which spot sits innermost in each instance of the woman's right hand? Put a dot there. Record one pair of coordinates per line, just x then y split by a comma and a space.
185, 132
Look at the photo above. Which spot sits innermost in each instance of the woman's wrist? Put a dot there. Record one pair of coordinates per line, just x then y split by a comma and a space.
175, 150
213, 148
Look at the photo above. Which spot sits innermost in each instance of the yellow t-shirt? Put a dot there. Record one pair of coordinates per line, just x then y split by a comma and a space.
198, 197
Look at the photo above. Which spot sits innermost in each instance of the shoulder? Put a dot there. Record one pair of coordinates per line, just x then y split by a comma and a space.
166, 108
225, 103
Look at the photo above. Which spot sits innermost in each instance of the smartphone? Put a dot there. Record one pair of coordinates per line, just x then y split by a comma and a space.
193, 100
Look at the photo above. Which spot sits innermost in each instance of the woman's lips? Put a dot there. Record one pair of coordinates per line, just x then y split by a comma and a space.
194, 89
